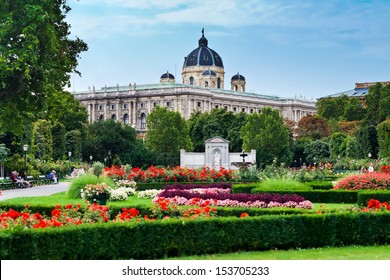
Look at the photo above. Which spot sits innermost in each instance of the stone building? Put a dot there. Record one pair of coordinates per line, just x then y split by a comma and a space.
202, 89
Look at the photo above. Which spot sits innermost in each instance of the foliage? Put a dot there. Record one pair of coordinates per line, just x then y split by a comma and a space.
336, 145
350, 127
378, 104
4, 152
298, 149
366, 137
58, 134
332, 108
63, 107
317, 151
267, 134
42, 140
79, 183
73, 143
366, 181
313, 127
217, 122
108, 138
167, 132
383, 130
36, 56
97, 168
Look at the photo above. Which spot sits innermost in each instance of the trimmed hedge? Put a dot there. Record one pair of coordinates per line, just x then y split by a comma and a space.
161, 185
167, 238
320, 185
365, 196
244, 188
320, 196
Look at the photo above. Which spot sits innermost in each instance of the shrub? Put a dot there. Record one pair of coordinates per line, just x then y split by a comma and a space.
367, 181
364, 197
97, 168
79, 183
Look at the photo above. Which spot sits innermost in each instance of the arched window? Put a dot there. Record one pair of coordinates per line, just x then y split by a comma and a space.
219, 83
235, 88
206, 84
126, 119
101, 118
191, 81
143, 120
113, 117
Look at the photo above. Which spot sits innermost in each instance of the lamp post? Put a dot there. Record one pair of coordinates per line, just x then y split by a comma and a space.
69, 154
90, 158
25, 148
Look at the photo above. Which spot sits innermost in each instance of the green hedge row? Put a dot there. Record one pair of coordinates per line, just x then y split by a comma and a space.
159, 239
364, 197
161, 185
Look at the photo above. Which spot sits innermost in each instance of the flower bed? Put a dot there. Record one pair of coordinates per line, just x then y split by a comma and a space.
366, 181
223, 197
180, 174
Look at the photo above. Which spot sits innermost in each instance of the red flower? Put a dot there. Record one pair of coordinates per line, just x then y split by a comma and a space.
243, 215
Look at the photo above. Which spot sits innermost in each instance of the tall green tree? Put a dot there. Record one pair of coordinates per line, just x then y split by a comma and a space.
36, 55
73, 144
383, 130
58, 134
167, 132
42, 140
268, 135
366, 137
336, 145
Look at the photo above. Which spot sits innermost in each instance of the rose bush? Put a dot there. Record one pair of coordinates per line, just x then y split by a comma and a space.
365, 181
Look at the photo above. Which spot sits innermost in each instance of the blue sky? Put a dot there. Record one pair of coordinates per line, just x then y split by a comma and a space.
283, 48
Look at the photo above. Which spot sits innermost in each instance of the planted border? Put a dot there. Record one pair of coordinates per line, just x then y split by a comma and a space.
159, 239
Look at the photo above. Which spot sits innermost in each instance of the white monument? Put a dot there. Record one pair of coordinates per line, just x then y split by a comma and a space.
216, 155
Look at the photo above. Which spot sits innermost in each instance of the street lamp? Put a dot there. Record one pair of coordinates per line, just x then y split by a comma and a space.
25, 148
90, 158
369, 155
69, 154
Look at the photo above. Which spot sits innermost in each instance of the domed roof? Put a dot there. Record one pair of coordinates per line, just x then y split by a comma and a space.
167, 76
238, 77
209, 73
203, 55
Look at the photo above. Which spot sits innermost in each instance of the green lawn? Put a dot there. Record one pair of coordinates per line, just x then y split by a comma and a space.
328, 253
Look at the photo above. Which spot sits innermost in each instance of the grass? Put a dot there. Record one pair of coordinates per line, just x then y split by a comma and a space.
63, 199
327, 253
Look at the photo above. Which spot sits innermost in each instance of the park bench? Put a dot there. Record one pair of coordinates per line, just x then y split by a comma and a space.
6, 184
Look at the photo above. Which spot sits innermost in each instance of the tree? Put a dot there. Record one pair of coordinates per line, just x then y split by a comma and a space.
42, 140
353, 110
266, 133
317, 151
58, 134
298, 149
373, 103
332, 108
36, 55
63, 107
366, 137
4, 152
383, 130
168, 133
73, 143
336, 145
195, 125
313, 127
105, 139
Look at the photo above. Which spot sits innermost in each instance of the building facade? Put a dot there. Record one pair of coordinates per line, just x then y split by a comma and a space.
202, 89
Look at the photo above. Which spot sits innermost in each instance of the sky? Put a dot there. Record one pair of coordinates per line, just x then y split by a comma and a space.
286, 48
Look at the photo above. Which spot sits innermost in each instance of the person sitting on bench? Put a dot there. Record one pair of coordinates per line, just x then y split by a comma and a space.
19, 181
53, 177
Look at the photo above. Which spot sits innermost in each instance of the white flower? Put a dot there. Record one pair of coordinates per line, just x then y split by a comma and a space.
149, 193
